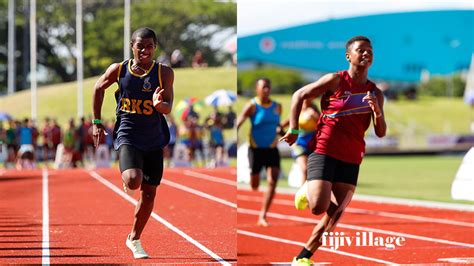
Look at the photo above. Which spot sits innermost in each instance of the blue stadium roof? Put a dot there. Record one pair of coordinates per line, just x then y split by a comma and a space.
440, 42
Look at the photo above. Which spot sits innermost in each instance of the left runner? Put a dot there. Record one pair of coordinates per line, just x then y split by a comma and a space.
145, 93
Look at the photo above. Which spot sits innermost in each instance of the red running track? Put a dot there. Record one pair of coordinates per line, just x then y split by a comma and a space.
431, 235
89, 218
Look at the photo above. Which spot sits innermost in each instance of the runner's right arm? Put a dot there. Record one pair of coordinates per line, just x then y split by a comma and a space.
249, 109
108, 78
328, 82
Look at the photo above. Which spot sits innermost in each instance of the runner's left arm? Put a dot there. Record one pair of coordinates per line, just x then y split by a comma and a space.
380, 126
375, 101
163, 97
280, 128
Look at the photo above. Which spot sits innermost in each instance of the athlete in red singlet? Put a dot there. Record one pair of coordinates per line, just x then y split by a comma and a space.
343, 111
349, 103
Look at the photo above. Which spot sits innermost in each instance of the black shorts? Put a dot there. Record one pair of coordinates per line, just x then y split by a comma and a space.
170, 148
14, 147
324, 167
263, 157
151, 163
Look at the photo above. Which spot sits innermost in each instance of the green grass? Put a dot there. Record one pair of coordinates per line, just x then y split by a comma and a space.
411, 177
411, 121
59, 100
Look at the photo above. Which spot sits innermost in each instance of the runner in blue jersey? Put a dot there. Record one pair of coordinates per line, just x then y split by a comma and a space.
144, 94
264, 116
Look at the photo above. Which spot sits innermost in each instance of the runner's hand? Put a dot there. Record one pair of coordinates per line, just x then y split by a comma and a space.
371, 99
158, 97
280, 131
98, 132
289, 138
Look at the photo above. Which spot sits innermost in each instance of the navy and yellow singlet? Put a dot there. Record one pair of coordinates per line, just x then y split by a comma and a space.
138, 123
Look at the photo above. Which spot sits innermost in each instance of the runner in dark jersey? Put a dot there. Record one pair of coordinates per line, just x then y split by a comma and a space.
349, 103
144, 94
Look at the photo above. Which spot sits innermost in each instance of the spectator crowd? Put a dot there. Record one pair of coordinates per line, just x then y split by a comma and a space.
23, 143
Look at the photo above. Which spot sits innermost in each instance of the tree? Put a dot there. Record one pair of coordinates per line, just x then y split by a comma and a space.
452, 86
283, 80
180, 24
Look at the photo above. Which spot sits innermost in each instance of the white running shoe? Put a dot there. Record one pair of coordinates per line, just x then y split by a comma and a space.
136, 247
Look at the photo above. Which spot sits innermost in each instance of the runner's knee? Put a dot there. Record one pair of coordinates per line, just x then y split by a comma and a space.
271, 182
132, 178
254, 181
319, 207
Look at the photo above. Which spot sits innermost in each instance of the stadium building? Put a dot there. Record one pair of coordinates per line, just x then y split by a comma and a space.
408, 46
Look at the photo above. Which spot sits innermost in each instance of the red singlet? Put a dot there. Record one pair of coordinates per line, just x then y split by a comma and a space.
344, 120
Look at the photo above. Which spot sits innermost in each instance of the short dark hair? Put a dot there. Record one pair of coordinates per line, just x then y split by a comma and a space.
144, 33
356, 39
267, 80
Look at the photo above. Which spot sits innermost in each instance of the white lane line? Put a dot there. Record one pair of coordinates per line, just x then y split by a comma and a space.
386, 200
414, 202
289, 263
45, 243
313, 221
210, 178
198, 193
369, 212
188, 263
358, 228
230, 204
410, 217
259, 199
159, 219
300, 244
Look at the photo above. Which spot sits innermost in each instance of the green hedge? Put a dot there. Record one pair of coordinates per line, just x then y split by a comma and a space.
284, 81
452, 86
